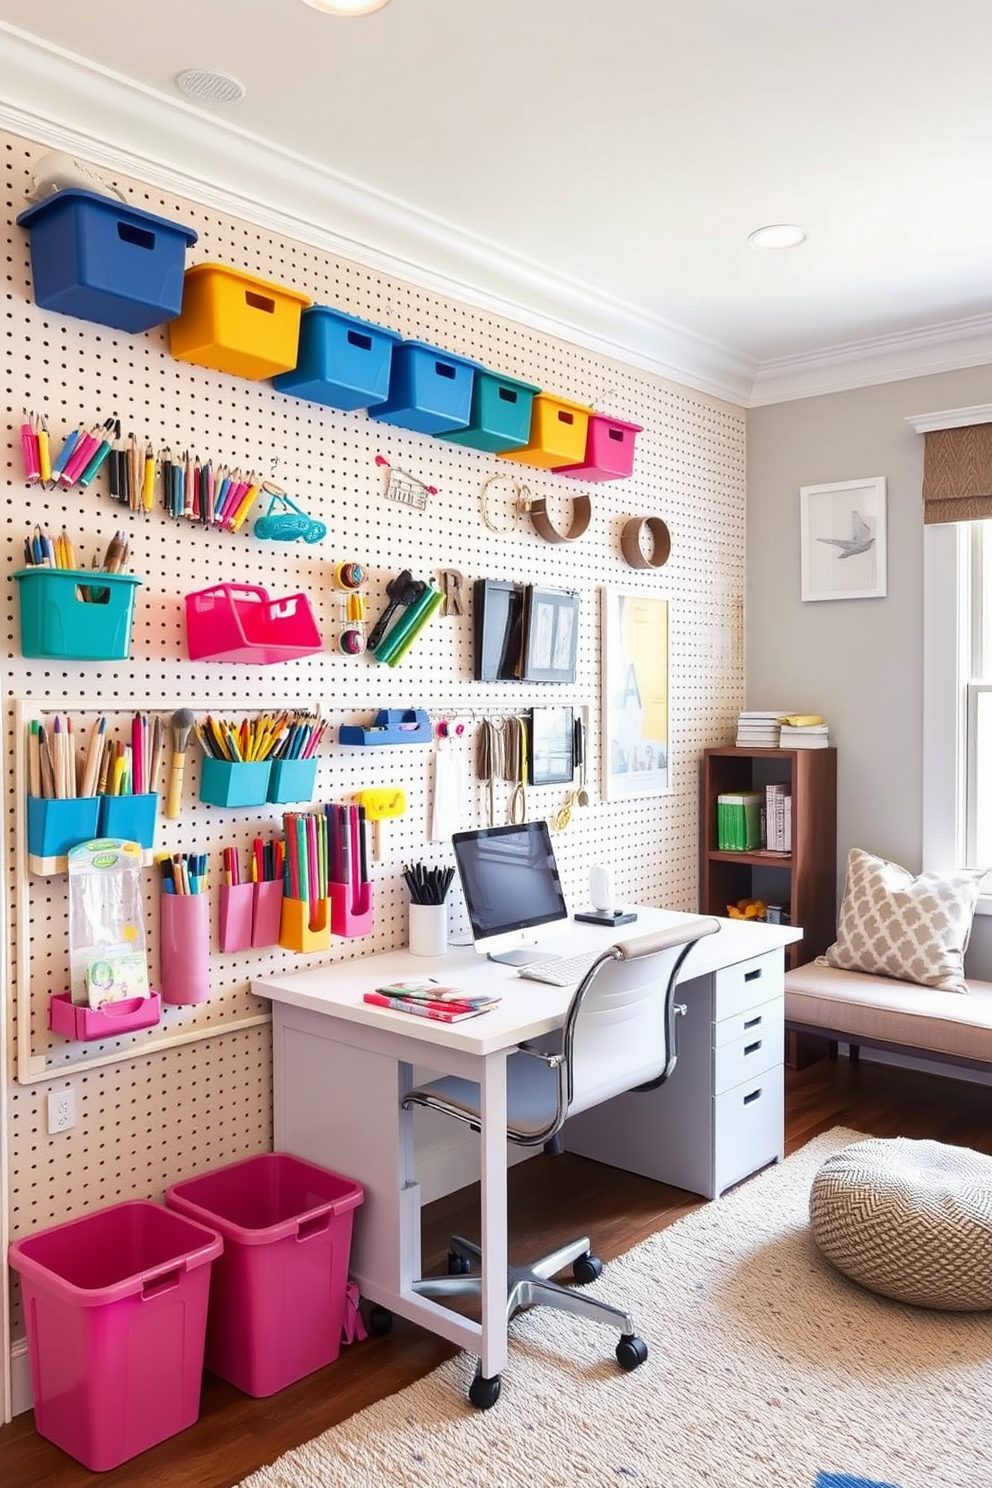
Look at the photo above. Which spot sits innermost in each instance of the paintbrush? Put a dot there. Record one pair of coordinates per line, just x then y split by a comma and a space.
183, 723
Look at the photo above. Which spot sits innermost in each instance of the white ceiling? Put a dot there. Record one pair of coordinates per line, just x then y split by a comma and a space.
592, 166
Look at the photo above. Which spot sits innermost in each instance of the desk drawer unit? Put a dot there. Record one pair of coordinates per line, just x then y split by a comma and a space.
720, 1116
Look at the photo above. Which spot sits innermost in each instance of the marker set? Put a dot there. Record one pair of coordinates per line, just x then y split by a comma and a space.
327, 887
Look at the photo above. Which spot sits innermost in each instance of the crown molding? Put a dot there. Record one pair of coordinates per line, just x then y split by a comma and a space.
119, 125
940, 348
950, 418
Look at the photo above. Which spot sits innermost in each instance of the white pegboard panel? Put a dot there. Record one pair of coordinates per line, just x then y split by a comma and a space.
135, 1094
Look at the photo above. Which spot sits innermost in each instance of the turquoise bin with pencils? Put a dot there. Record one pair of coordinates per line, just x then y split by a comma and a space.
76, 614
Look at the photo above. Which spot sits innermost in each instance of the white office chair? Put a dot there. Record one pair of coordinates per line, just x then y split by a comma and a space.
619, 1035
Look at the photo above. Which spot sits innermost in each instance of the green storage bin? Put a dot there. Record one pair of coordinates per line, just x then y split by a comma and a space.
501, 413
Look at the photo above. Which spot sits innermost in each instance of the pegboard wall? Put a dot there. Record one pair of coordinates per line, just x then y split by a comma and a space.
194, 1092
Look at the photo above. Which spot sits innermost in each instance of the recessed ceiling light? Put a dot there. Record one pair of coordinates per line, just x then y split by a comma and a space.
347, 7
213, 87
779, 235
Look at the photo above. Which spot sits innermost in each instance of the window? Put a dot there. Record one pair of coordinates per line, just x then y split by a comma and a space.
957, 698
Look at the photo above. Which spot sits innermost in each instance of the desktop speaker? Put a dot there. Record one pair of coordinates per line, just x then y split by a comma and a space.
601, 894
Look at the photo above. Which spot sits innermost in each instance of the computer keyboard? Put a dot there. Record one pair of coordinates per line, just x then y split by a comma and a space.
559, 971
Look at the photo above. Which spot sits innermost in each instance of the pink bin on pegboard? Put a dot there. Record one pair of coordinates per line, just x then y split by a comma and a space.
277, 1298
609, 450
115, 1308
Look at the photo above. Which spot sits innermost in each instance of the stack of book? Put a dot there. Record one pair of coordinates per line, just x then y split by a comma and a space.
759, 730
426, 998
804, 735
778, 818
738, 821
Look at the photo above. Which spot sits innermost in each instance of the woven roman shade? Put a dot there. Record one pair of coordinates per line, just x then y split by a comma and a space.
957, 474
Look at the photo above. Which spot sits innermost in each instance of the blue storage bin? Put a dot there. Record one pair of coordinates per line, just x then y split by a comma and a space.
501, 410
343, 362
430, 390
98, 259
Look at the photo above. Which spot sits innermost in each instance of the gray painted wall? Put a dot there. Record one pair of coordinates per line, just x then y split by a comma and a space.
859, 662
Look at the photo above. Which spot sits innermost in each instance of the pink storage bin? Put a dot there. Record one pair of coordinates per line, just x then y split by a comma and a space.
609, 450
73, 1021
277, 1297
115, 1306
239, 622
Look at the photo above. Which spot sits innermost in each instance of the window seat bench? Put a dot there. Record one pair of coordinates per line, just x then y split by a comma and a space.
878, 1012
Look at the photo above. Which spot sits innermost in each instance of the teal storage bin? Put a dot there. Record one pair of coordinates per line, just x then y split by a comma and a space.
76, 614
132, 818
292, 780
500, 417
233, 782
56, 825
430, 390
343, 362
100, 259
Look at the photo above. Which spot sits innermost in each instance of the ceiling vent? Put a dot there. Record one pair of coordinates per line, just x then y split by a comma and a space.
209, 86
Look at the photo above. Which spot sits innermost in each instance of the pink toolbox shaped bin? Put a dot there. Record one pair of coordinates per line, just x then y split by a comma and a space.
115, 1310
609, 450
239, 622
277, 1297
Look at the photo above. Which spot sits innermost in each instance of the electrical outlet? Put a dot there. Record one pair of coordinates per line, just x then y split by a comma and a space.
61, 1111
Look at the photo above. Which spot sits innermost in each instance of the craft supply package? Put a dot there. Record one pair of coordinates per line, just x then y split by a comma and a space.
107, 949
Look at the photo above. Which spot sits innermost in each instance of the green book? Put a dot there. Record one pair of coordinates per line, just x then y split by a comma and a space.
738, 821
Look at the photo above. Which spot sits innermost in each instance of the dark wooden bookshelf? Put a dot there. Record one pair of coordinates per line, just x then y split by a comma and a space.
803, 881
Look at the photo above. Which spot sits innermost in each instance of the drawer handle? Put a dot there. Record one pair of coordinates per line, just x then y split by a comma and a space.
753, 1048
752, 976
138, 237
749, 1099
752, 1023
260, 302
356, 338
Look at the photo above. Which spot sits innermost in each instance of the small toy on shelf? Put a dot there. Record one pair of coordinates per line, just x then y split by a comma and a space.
747, 909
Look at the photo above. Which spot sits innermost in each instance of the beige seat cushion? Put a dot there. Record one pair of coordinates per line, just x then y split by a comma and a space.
872, 1008
895, 925
912, 1220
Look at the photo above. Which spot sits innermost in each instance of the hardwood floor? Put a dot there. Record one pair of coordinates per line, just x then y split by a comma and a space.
550, 1201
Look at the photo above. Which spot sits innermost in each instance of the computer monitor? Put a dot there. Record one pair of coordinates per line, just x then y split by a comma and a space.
512, 889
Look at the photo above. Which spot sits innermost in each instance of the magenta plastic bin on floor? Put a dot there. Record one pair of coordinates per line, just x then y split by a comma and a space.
115, 1308
278, 1292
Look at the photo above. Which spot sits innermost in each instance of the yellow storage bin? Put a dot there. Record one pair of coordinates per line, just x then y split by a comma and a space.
558, 431
236, 322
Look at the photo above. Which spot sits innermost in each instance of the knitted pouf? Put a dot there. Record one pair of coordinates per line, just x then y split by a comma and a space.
912, 1220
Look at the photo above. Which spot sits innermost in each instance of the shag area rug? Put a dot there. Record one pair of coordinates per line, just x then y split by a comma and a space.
767, 1369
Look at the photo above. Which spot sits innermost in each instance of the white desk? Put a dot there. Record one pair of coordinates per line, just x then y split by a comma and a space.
341, 1067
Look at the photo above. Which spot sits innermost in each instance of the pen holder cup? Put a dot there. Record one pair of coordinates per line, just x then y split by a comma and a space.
129, 817
184, 948
55, 826
266, 912
76, 614
305, 927
351, 909
292, 780
235, 916
87, 1024
428, 929
233, 783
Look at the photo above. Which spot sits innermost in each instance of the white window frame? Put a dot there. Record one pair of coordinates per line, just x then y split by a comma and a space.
952, 646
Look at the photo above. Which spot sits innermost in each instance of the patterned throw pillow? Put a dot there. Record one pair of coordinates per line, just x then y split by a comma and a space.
895, 925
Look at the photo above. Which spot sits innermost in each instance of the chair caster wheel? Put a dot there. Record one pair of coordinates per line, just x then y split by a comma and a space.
380, 1321
458, 1265
484, 1392
631, 1351
586, 1269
